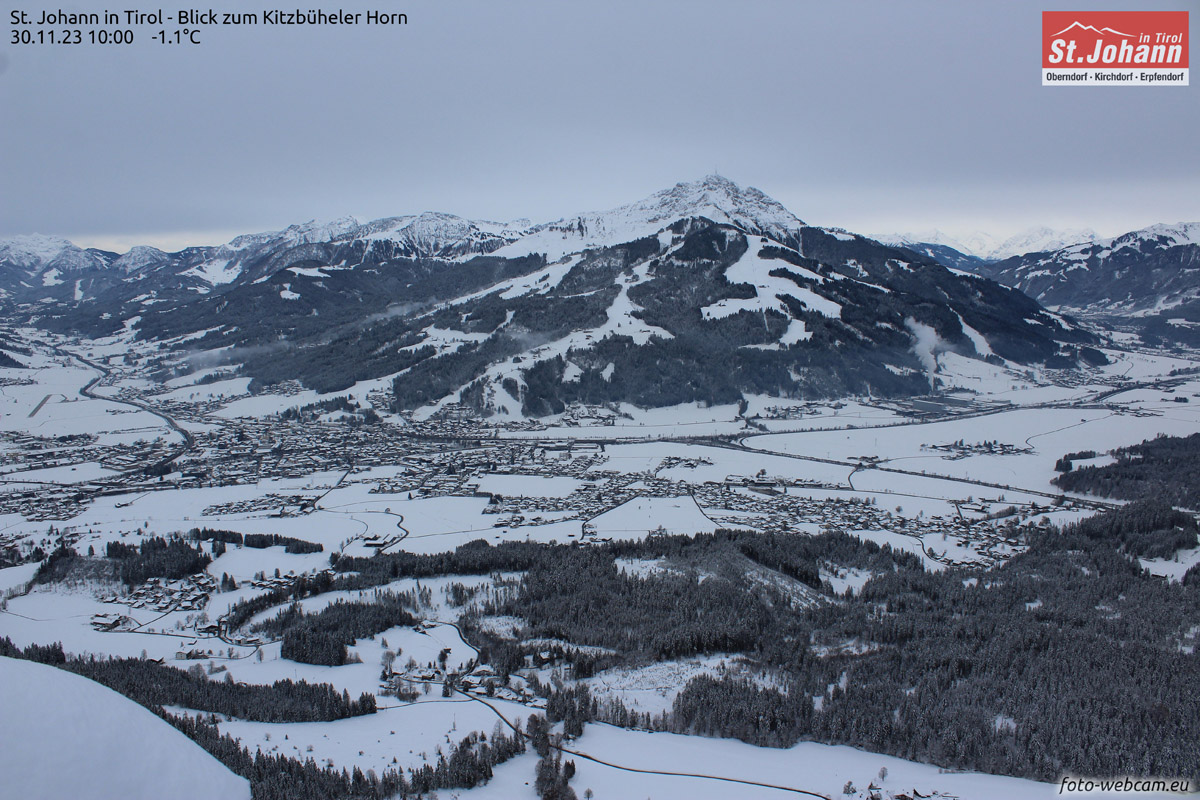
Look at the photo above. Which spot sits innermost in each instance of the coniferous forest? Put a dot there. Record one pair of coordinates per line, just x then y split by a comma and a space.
1011, 671
1166, 468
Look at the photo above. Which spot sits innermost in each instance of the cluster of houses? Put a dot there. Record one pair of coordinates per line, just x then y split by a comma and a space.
27, 451
284, 581
126, 457
447, 455
457, 473
958, 450
798, 411
186, 594
202, 405
112, 622
481, 681
284, 505
782, 512
766, 503
581, 416
44, 503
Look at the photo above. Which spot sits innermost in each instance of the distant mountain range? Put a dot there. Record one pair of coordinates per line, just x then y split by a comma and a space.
983, 247
1148, 278
705, 291
1131, 274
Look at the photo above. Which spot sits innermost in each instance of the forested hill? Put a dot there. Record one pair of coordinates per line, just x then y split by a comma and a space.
638, 304
1167, 468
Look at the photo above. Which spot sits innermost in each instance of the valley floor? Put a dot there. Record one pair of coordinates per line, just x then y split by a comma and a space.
940, 478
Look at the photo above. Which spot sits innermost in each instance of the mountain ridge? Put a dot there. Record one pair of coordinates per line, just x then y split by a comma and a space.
432, 234
988, 248
1136, 272
704, 291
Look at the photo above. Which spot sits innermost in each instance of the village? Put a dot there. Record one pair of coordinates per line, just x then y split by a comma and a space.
247, 451
452, 453
158, 594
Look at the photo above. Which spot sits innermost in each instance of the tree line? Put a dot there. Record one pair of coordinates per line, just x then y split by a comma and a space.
150, 684
155, 557
1166, 468
277, 777
322, 637
259, 541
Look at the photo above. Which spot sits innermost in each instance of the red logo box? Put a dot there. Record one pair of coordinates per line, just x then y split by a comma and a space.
1114, 39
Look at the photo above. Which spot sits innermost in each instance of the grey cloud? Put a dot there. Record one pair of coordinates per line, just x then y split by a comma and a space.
868, 114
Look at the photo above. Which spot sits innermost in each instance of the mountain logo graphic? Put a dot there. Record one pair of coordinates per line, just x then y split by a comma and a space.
1081, 26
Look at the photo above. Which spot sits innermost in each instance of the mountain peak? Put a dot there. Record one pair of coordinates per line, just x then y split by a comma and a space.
1180, 233
717, 181
714, 197
436, 234
31, 251
139, 257
303, 233
722, 200
36, 254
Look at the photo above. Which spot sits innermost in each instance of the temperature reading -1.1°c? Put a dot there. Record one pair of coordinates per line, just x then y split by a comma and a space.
179, 36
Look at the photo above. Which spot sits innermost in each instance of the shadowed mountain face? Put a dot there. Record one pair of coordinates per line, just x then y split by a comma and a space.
702, 292
1140, 271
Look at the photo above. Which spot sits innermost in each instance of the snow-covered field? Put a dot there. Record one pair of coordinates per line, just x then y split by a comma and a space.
865, 450
616, 763
68, 737
1050, 433
405, 735
652, 688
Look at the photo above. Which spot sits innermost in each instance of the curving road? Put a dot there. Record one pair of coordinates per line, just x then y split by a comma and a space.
622, 767
189, 441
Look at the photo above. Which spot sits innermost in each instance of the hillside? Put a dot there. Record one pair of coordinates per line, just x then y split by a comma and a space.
637, 304
1137, 273
78, 739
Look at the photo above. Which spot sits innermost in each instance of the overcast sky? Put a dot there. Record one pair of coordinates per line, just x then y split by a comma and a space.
873, 115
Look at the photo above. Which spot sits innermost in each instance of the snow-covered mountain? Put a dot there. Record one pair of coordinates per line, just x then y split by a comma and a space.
938, 238
1039, 240
436, 235
39, 268
715, 197
703, 291
43, 261
141, 258
32, 252
985, 247
1136, 273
